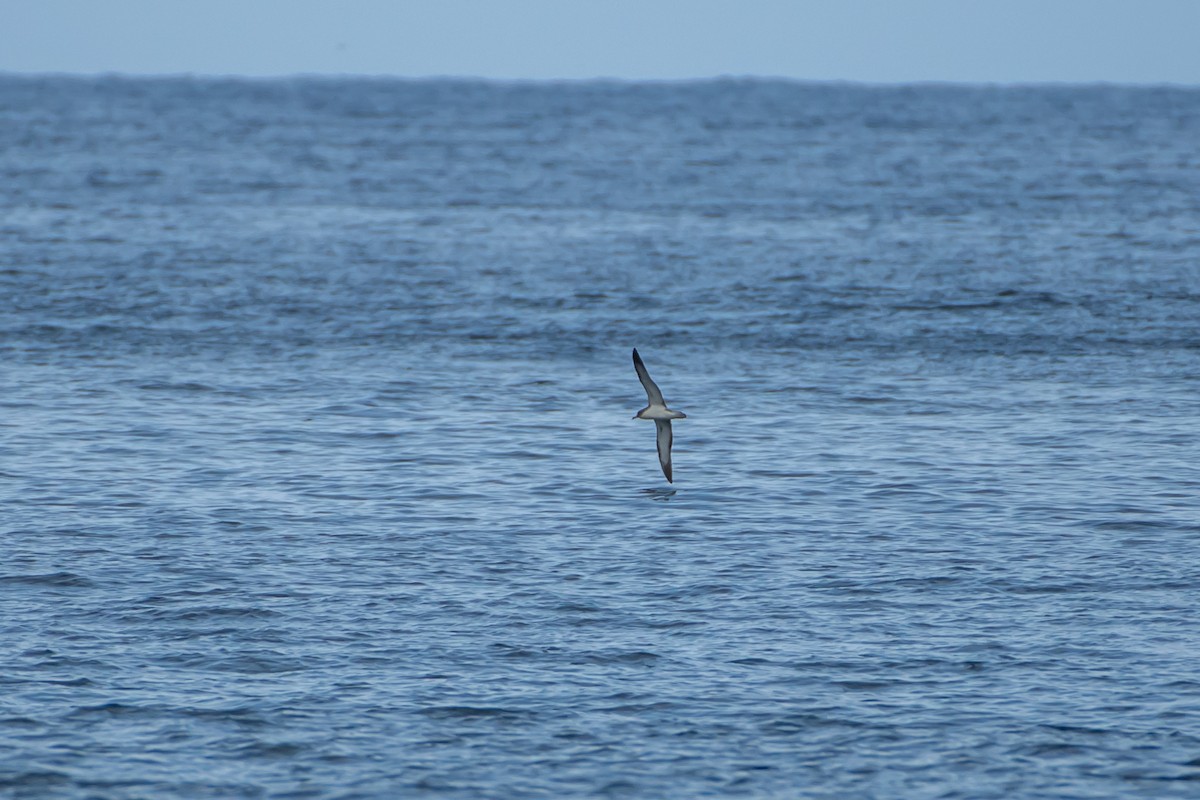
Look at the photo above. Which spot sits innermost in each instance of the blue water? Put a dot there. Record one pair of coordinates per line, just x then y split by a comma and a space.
318, 475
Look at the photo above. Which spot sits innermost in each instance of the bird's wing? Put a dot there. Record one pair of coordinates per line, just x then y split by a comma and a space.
652, 393
664, 446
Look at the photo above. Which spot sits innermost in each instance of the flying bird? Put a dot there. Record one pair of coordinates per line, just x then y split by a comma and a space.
657, 411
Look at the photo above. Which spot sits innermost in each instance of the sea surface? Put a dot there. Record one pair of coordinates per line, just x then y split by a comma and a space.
318, 477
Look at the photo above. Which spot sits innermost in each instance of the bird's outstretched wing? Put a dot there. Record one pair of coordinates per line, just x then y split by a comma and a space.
652, 393
664, 446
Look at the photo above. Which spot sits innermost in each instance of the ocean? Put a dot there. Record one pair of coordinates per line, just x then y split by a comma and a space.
318, 477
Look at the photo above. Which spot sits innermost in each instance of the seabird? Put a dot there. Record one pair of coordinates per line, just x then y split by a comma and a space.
657, 411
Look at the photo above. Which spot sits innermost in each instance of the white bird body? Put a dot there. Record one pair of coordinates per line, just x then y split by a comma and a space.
657, 410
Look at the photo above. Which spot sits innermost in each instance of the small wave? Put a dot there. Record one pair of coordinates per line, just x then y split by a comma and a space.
272, 750
212, 612
23, 723
638, 709
1133, 525
793, 724
865, 686
640, 657
115, 709
34, 781
167, 386
476, 713
55, 579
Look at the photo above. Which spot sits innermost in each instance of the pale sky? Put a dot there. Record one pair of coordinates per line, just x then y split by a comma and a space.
1005, 41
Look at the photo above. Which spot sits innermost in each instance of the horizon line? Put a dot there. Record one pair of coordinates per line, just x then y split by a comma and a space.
597, 79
